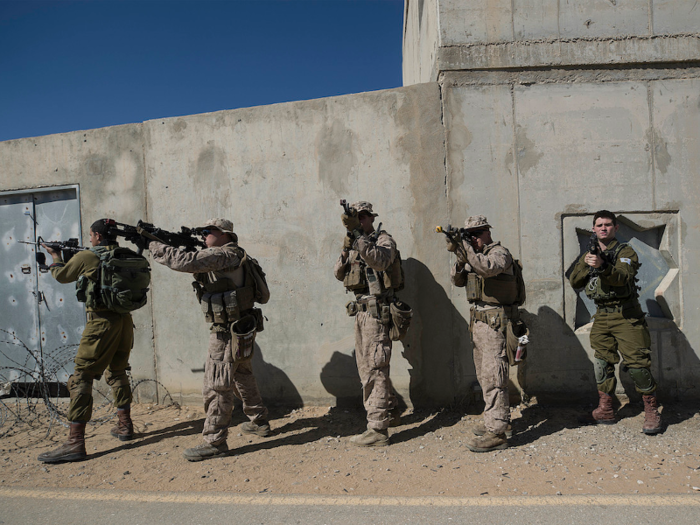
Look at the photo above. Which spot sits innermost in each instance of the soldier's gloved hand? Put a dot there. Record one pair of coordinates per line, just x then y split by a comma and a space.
351, 222
347, 243
142, 242
451, 244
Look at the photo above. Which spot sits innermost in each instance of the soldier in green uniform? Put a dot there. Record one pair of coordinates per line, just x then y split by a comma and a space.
104, 348
619, 327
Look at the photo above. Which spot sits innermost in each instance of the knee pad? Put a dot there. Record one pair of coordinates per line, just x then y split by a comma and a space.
643, 379
116, 378
603, 370
80, 383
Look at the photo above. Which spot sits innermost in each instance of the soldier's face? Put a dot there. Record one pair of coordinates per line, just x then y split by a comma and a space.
216, 238
95, 238
366, 221
604, 229
481, 239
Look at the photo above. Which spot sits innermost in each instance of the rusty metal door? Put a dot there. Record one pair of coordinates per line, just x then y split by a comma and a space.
41, 320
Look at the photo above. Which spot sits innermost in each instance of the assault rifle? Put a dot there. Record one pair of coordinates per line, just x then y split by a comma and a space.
186, 238
67, 248
456, 235
349, 210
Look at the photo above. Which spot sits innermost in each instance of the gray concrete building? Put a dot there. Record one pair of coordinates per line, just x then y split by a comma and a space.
536, 114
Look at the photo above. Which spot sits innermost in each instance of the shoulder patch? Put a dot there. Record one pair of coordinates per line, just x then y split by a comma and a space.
625, 260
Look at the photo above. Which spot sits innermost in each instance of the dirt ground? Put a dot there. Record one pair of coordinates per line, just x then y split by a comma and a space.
308, 453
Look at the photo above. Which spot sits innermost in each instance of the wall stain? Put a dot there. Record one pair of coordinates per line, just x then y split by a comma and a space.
211, 179
528, 156
336, 150
180, 125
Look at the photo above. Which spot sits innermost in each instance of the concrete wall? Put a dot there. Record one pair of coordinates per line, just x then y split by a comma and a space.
278, 172
553, 110
460, 35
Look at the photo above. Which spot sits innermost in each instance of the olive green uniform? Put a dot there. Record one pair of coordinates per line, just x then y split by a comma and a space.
372, 341
491, 289
619, 326
104, 347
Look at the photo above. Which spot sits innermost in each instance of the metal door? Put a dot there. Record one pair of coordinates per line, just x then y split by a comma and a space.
37, 311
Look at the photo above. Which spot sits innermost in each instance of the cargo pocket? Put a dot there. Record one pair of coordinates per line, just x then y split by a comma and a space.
382, 355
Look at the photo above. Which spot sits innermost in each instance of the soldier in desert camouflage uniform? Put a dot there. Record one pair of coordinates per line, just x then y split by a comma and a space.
365, 266
226, 292
491, 289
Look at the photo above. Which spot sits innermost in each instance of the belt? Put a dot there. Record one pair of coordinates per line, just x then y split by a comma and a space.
619, 308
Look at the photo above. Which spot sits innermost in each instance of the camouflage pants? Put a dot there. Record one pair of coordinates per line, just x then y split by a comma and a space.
104, 346
224, 380
491, 365
373, 353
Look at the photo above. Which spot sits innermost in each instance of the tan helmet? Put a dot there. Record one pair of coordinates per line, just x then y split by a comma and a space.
223, 225
476, 222
364, 206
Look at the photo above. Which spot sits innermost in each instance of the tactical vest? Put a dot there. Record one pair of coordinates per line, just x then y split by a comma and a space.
363, 280
221, 300
603, 293
500, 290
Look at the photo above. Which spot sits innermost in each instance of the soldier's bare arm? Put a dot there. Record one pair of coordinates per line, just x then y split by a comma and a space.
377, 254
207, 260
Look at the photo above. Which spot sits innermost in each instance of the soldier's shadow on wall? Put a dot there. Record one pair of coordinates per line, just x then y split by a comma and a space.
276, 389
428, 347
554, 346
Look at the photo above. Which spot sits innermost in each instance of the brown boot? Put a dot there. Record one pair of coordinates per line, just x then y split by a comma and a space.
480, 429
125, 428
652, 418
604, 415
371, 438
71, 450
488, 442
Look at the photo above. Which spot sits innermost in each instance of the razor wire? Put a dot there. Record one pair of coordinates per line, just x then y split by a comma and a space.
30, 388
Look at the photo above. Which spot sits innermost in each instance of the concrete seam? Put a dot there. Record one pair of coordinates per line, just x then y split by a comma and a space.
516, 168
150, 292
651, 17
652, 139
512, 19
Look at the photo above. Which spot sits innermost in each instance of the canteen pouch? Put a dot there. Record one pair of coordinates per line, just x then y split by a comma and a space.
205, 304
81, 286
243, 338
259, 319
401, 316
514, 330
385, 314
218, 309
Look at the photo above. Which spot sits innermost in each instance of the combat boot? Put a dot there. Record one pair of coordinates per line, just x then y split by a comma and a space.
71, 450
261, 428
480, 429
371, 438
604, 415
124, 430
205, 451
652, 418
488, 442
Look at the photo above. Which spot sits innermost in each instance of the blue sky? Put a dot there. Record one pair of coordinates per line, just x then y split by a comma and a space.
72, 65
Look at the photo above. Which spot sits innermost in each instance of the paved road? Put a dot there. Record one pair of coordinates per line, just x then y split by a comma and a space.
71, 507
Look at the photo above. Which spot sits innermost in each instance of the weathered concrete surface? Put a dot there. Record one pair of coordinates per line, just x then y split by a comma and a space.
108, 165
278, 172
473, 35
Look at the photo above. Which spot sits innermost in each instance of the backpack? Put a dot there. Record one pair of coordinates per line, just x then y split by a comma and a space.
123, 279
521, 295
262, 291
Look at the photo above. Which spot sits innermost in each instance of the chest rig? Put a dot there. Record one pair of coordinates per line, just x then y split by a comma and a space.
500, 290
605, 294
222, 301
